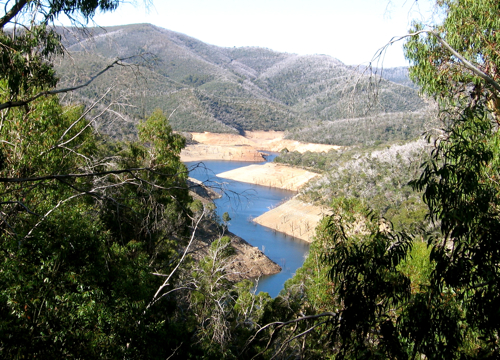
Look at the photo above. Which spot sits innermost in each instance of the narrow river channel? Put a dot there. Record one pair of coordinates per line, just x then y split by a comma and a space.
244, 202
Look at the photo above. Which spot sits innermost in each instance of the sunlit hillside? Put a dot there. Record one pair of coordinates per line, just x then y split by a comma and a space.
209, 88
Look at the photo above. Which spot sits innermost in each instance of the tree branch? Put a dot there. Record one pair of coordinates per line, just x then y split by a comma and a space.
12, 12
19, 103
281, 324
70, 176
447, 46
156, 296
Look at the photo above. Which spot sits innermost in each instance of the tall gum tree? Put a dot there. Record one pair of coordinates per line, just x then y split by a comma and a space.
455, 313
457, 63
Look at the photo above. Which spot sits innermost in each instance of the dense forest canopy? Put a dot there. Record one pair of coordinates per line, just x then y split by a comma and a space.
95, 231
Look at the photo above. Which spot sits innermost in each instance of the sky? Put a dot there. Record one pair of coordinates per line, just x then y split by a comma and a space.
349, 30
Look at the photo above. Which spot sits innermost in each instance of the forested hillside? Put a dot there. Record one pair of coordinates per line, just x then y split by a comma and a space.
208, 88
370, 282
96, 231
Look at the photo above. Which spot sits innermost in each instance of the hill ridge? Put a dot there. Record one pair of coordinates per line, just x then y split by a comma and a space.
224, 89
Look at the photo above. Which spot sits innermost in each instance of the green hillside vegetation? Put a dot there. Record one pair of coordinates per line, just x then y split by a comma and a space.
376, 177
96, 231
370, 130
209, 88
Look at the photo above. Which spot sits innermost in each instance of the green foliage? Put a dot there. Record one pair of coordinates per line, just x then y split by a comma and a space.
76, 275
22, 72
377, 175
93, 231
26, 51
462, 194
205, 88
226, 218
223, 314
418, 266
396, 297
469, 27
371, 289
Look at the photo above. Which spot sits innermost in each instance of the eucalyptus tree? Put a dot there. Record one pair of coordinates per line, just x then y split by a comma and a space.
89, 227
455, 313
381, 311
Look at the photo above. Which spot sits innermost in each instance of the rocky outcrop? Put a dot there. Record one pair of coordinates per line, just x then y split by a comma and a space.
248, 262
271, 174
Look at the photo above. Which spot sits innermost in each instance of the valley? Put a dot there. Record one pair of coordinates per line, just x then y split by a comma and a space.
248, 147
236, 91
167, 198
293, 217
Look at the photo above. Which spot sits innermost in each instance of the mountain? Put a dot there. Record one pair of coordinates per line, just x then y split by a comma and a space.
209, 88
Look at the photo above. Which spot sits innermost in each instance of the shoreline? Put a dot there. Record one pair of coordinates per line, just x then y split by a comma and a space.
272, 175
295, 218
247, 147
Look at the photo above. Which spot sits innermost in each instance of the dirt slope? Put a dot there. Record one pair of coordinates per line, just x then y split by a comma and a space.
271, 174
260, 140
220, 152
294, 218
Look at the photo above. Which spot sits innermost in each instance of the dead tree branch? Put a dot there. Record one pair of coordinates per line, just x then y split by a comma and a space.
281, 324
11, 104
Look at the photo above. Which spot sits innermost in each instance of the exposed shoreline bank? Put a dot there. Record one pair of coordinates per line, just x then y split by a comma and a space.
294, 218
247, 147
271, 174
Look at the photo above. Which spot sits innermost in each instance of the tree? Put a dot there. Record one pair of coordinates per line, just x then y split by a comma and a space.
89, 226
455, 314
381, 309
80, 252
458, 64
28, 44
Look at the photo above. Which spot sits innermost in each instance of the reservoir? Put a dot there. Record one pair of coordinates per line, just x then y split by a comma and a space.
243, 202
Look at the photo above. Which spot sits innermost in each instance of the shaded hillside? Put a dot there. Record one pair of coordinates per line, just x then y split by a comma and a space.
209, 88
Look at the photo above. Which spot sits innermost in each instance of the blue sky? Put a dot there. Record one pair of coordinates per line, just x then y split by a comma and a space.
351, 31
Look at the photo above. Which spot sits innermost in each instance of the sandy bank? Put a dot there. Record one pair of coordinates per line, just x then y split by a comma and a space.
294, 218
261, 140
271, 174
220, 152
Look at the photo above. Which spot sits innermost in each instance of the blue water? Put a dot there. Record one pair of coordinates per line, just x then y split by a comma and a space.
244, 202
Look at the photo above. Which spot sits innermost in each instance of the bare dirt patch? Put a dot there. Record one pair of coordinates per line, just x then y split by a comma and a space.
220, 152
271, 174
295, 218
213, 146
